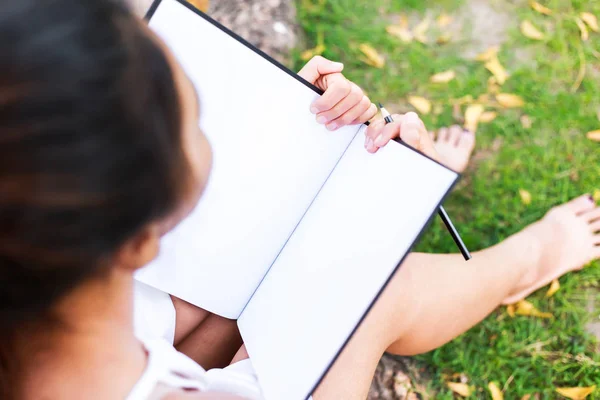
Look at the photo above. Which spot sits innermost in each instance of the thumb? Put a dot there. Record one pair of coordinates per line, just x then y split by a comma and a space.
319, 66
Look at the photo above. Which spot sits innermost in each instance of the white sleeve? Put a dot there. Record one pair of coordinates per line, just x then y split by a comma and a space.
153, 313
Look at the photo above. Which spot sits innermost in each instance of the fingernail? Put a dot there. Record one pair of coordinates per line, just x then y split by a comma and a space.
332, 126
321, 119
339, 64
366, 141
379, 140
314, 110
370, 144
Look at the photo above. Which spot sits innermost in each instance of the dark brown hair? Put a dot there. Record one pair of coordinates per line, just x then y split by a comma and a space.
90, 150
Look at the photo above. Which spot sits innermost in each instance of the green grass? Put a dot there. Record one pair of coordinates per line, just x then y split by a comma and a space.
553, 160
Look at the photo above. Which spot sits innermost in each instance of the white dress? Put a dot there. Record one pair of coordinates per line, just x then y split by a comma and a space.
168, 369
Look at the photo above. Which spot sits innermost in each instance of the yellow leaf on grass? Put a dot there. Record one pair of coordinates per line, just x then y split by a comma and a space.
591, 21
420, 103
554, 286
444, 38
526, 397
525, 308
472, 116
594, 135
444, 20
494, 66
420, 31
495, 391
510, 310
400, 32
373, 58
508, 100
310, 53
460, 388
596, 195
530, 31
585, 35
540, 8
490, 53
201, 5
525, 196
576, 393
443, 77
488, 116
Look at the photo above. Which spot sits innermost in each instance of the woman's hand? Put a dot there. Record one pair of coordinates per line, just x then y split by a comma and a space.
407, 127
343, 102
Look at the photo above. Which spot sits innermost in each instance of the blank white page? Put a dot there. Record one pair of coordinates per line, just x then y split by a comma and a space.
270, 158
349, 243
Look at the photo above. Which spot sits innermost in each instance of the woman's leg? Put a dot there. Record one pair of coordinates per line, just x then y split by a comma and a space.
418, 310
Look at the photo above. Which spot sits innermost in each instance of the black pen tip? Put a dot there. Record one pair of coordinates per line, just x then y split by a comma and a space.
380, 105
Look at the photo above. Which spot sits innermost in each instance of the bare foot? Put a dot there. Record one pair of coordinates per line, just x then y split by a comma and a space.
569, 238
454, 145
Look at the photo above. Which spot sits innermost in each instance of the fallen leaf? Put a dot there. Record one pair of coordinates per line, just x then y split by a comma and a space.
490, 53
460, 388
526, 397
310, 53
494, 66
554, 286
495, 391
403, 21
438, 109
493, 86
373, 57
444, 20
483, 98
488, 116
443, 77
510, 310
594, 135
526, 121
525, 308
472, 116
420, 103
421, 29
508, 100
463, 100
596, 195
525, 196
591, 21
400, 32
540, 8
585, 35
444, 38
201, 5
576, 393
530, 31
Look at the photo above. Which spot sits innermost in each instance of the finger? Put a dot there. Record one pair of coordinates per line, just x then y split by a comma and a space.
391, 131
366, 116
372, 132
351, 115
346, 104
338, 87
319, 66
414, 134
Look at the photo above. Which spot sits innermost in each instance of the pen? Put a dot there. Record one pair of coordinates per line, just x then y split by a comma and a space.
441, 211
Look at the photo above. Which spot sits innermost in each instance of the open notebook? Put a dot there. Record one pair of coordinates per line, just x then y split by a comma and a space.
299, 228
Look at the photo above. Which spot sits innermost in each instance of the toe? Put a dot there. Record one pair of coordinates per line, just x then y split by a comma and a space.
581, 204
595, 226
442, 135
454, 134
432, 135
467, 141
592, 215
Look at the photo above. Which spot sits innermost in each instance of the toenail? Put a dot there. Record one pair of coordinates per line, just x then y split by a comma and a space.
465, 130
591, 198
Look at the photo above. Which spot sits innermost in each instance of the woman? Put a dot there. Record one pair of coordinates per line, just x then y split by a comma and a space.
101, 154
